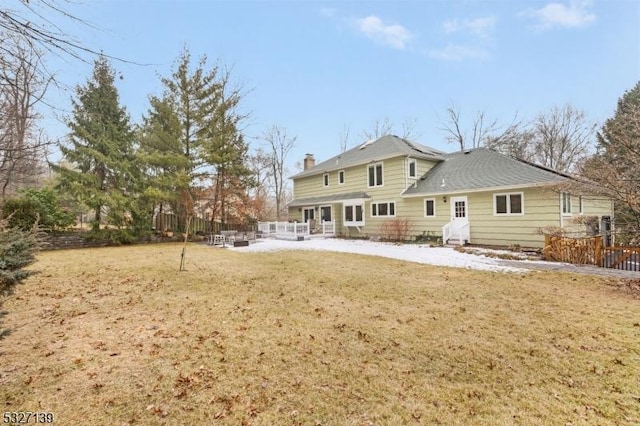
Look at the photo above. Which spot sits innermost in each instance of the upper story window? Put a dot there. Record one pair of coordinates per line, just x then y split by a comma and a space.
508, 204
341, 177
383, 209
375, 175
325, 179
565, 198
412, 168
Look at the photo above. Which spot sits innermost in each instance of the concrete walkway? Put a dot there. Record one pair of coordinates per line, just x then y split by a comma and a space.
567, 267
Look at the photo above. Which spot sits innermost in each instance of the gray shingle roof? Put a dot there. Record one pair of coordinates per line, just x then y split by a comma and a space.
328, 199
479, 169
384, 147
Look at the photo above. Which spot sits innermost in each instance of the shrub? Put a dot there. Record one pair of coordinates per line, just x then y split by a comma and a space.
41, 205
114, 236
395, 229
17, 251
428, 237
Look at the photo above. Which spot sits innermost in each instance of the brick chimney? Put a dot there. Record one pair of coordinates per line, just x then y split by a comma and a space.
309, 161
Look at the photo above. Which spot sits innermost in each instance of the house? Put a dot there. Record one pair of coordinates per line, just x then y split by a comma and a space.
477, 196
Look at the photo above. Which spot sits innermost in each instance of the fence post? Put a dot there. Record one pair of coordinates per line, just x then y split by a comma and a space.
599, 249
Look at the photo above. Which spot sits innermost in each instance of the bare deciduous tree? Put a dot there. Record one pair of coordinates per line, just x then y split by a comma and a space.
22, 145
379, 128
614, 170
344, 137
279, 143
481, 129
563, 138
37, 22
259, 162
385, 126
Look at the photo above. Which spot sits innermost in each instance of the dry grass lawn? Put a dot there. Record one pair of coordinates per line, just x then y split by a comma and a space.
118, 336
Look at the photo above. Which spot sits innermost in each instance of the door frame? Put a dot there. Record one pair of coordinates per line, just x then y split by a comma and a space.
457, 224
305, 210
330, 212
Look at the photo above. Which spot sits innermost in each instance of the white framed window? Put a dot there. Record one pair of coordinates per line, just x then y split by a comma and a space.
565, 200
383, 209
354, 214
510, 204
429, 207
375, 173
325, 179
412, 168
341, 177
580, 205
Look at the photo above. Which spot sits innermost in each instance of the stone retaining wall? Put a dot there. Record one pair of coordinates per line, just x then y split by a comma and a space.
76, 240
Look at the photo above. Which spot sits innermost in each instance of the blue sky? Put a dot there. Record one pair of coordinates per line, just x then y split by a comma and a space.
315, 67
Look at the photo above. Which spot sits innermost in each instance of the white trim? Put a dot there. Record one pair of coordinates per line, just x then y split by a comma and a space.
313, 208
424, 204
415, 168
562, 197
508, 203
580, 204
489, 189
388, 203
330, 211
452, 202
346, 222
375, 166
344, 177
363, 162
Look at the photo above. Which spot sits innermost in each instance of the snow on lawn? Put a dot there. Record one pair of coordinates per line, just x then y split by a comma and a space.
441, 256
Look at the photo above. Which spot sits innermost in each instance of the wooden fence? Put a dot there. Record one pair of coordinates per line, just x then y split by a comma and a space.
176, 223
625, 258
591, 251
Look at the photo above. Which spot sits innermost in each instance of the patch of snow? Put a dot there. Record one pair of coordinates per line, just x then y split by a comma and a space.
439, 256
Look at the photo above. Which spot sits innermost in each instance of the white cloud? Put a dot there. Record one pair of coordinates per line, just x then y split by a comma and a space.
481, 27
395, 35
574, 15
457, 52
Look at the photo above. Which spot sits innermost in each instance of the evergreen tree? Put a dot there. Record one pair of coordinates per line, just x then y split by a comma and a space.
163, 158
226, 153
197, 118
17, 250
616, 166
191, 95
100, 147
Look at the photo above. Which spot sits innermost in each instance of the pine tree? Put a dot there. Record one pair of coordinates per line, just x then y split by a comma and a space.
226, 153
17, 250
100, 147
191, 95
162, 156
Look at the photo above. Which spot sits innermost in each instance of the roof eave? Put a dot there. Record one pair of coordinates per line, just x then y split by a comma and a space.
485, 189
334, 168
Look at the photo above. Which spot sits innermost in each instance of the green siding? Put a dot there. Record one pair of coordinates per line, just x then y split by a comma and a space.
541, 207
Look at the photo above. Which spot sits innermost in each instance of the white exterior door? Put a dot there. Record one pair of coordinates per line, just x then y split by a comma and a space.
459, 219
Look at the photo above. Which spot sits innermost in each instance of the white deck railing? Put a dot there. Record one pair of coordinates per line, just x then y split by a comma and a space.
446, 233
293, 230
460, 233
